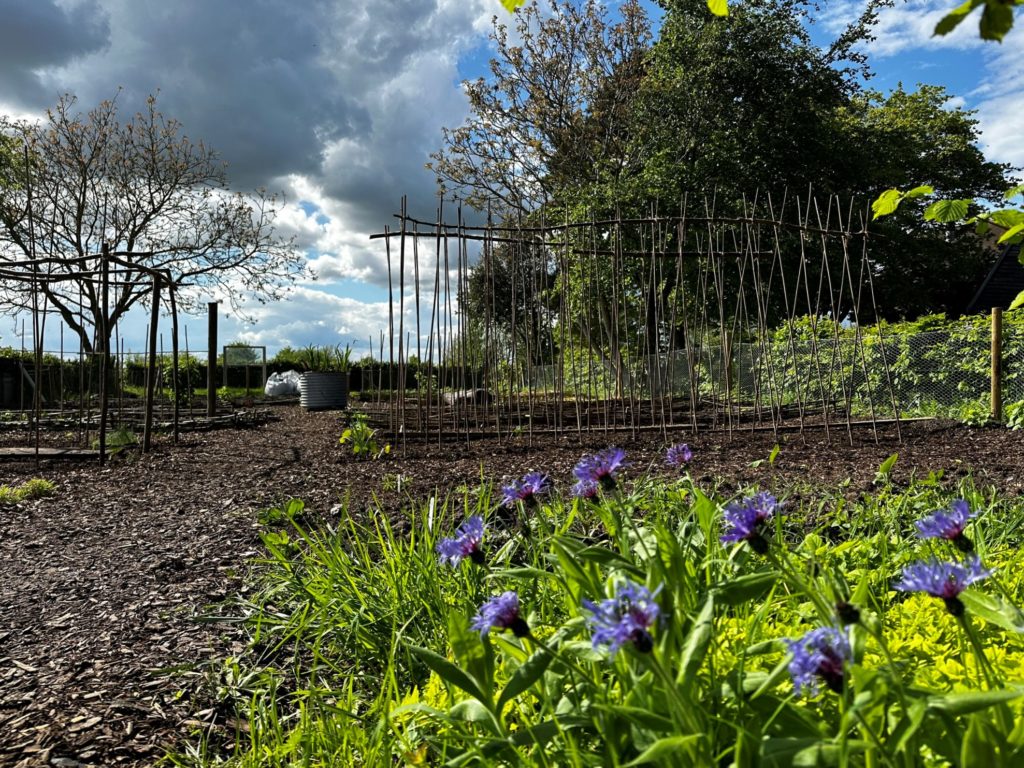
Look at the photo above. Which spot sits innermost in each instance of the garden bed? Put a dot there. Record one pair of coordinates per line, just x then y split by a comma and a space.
99, 652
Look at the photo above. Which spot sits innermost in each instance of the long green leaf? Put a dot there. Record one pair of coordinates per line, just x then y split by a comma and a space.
608, 558
744, 588
471, 653
994, 609
696, 646
543, 732
470, 710
978, 748
817, 752
972, 701
449, 672
528, 673
886, 466
1012, 233
952, 20
670, 745
639, 716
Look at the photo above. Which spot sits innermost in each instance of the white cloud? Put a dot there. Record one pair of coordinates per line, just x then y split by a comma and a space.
313, 317
908, 28
905, 26
999, 98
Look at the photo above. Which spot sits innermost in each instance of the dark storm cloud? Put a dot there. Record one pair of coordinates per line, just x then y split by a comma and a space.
37, 34
348, 96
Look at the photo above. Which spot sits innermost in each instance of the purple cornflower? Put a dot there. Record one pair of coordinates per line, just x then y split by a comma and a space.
943, 580
819, 657
465, 543
746, 518
585, 489
948, 525
526, 490
678, 456
600, 468
501, 612
625, 618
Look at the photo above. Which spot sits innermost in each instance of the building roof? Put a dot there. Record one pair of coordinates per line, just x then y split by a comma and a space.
1004, 281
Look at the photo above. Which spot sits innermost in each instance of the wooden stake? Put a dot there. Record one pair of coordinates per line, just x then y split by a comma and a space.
154, 321
105, 351
211, 360
997, 364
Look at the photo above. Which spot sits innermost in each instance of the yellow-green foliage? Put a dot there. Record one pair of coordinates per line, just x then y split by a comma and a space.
35, 488
919, 631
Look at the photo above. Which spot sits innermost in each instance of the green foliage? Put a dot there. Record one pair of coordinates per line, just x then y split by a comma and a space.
240, 353
1014, 414
190, 376
975, 414
326, 358
363, 439
1010, 219
745, 104
118, 440
287, 513
35, 488
995, 21
371, 634
288, 356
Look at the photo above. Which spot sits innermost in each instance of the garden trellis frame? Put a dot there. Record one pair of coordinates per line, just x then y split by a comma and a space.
33, 272
692, 320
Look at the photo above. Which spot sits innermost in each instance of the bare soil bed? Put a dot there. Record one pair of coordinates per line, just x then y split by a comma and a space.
100, 583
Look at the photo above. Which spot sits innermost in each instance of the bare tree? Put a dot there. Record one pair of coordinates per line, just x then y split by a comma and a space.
72, 182
554, 110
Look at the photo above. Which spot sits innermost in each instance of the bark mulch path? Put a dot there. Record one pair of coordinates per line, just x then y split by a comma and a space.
100, 583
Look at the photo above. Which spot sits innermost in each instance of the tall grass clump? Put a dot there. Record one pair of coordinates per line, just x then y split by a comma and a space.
34, 488
638, 623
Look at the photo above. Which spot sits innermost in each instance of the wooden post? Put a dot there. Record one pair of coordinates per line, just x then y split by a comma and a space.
154, 320
104, 330
174, 361
997, 364
211, 362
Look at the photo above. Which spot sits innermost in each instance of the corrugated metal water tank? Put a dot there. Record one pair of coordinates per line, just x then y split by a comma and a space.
320, 391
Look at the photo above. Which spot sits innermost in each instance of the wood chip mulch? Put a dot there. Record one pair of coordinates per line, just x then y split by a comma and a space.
100, 583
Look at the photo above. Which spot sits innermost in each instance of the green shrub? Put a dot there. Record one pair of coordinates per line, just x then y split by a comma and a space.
36, 488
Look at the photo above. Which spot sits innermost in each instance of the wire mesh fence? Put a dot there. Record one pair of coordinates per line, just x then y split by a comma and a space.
860, 372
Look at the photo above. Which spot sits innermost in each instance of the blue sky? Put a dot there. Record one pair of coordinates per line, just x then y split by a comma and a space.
338, 104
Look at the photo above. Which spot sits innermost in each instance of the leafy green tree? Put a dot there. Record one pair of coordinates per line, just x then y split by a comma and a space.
995, 21
240, 353
553, 112
723, 108
736, 103
909, 138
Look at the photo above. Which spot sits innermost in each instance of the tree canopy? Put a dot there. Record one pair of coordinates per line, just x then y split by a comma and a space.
727, 107
161, 201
